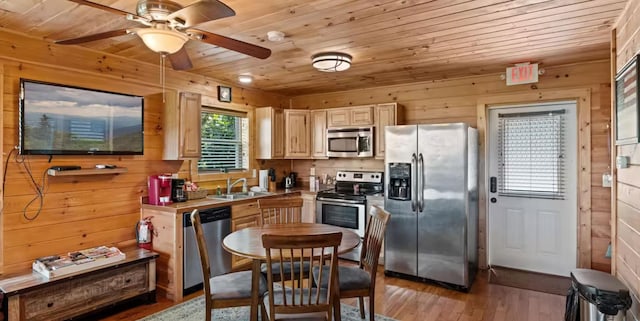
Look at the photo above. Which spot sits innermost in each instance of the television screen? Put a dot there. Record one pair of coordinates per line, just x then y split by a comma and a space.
60, 120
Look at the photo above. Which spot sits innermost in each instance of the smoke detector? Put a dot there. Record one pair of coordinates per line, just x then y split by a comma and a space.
275, 35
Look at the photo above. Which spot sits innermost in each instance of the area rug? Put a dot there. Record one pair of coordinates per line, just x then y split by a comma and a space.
193, 310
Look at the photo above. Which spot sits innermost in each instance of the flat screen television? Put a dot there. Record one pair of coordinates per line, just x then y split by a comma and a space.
65, 120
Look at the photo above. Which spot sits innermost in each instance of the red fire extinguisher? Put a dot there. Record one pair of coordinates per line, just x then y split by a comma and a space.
144, 233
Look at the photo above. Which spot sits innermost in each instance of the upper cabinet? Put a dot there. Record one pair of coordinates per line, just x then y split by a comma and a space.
182, 126
350, 116
319, 134
306, 130
270, 133
385, 115
297, 134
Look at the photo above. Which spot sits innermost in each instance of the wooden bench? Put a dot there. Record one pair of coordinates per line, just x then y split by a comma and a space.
33, 297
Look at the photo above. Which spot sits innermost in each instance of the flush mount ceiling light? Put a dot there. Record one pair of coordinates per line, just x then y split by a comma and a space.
165, 41
245, 79
331, 61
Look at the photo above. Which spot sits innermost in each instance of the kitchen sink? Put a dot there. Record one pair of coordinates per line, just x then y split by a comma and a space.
239, 196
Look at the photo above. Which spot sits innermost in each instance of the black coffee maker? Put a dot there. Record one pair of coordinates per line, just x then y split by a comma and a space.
177, 190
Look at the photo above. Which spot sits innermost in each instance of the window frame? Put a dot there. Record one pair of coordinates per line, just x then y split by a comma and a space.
207, 106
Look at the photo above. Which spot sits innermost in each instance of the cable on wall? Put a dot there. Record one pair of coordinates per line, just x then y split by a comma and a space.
40, 188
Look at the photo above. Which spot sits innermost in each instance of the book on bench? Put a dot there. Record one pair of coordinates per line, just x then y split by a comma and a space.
55, 266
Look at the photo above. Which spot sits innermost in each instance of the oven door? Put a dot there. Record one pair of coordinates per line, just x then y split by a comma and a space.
344, 213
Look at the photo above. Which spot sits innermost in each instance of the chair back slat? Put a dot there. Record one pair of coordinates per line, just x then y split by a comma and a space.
280, 210
373, 237
311, 250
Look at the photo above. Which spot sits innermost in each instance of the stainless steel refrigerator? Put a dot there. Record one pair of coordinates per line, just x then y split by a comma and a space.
431, 184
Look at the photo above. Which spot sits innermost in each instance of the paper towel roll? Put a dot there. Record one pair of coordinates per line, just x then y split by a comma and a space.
263, 179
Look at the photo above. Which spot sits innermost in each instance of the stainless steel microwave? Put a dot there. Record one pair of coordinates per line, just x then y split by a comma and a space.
350, 142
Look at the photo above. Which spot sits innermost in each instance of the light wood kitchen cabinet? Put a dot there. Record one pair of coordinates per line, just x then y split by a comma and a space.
243, 216
181, 126
338, 117
297, 134
319, 134
270, 133
308, 207
386, 115
362, 116
350, 116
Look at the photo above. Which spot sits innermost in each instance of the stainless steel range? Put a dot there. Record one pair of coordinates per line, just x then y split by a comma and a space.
346, 205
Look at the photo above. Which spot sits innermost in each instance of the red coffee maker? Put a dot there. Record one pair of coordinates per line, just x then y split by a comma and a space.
159, 189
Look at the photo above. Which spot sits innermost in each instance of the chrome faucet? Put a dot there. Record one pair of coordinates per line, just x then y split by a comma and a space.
230, 185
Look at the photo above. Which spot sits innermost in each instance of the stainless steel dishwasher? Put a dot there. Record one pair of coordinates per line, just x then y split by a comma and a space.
216, 224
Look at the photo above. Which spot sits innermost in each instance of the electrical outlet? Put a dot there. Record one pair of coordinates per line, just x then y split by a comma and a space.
254, 173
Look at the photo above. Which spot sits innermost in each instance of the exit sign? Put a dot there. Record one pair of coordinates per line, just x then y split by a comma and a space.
522, 74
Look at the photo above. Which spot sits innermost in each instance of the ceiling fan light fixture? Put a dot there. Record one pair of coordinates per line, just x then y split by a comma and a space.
163, 41
331, 61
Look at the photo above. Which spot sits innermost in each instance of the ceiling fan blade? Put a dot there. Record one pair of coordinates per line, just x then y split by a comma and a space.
94, 37
235, 45
180, 60
202, 11
103, 7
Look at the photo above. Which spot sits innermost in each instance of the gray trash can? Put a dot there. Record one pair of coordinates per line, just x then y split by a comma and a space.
596, 296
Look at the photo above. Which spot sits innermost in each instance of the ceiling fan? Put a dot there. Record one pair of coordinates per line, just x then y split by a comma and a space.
169, 27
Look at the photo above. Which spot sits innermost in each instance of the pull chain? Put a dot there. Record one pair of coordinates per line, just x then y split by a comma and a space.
162, 72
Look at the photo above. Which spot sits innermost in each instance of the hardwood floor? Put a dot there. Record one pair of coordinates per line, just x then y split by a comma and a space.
408, 300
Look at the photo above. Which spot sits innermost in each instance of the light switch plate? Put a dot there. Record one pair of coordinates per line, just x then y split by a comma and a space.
606, 180
622, 162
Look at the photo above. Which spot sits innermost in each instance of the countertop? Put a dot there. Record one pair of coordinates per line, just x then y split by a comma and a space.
181, 207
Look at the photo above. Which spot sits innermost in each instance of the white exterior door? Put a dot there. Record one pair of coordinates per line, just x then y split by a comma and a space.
532, 188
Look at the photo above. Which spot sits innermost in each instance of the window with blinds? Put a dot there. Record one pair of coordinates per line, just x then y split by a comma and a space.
225, 141
531, 150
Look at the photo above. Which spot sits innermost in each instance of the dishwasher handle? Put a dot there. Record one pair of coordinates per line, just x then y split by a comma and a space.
209, 215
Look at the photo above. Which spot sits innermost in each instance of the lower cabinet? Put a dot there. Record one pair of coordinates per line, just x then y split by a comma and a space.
243, 216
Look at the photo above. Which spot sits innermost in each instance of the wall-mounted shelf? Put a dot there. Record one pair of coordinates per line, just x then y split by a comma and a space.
87, 171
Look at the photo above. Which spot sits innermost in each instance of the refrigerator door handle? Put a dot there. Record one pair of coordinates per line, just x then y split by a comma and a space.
420, 183
414, 163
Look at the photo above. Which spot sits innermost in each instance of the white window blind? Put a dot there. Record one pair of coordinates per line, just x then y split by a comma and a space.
224, 141
532, 148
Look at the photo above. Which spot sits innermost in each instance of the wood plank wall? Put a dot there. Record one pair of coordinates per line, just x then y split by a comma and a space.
454, 100
627, 216
84, 211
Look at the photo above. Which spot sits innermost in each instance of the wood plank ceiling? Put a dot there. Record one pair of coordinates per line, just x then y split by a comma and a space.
391, 41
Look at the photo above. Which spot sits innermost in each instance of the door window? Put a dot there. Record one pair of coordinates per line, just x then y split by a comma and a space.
531, 158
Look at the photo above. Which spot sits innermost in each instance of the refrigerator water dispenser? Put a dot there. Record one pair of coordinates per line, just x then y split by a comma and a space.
399, 181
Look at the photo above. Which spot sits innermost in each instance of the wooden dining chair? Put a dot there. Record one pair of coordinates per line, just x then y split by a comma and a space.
283, 210
227, 290
359, 282
280, 210
305, 302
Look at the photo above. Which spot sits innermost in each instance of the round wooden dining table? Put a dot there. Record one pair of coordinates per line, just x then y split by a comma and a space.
247, 243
